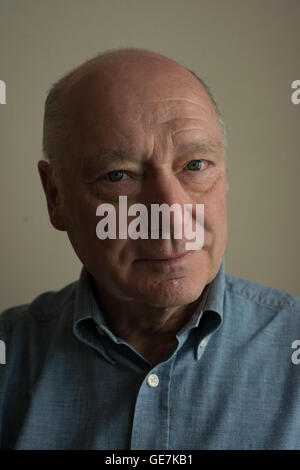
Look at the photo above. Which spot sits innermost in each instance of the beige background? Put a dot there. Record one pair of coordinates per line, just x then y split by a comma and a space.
248, 52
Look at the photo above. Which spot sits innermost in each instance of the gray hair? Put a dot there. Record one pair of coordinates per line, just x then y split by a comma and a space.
216, 107
55, 130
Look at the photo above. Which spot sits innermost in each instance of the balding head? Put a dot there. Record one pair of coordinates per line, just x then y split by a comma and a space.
109, 70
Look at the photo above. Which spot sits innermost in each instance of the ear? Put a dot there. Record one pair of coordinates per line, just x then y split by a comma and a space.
52, 195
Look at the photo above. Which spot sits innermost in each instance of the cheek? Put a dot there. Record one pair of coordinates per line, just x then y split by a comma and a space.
215, 206
81, 227
80, 218
80, 221
219, 209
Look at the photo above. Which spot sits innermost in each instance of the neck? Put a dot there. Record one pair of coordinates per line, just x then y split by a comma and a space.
142, 325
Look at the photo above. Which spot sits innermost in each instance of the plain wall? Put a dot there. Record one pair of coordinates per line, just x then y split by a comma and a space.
246, 50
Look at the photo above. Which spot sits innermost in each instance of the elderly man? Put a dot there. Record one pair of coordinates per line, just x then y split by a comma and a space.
155, 347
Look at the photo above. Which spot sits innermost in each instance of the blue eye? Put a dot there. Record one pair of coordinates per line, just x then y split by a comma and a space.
116, 175
195, 165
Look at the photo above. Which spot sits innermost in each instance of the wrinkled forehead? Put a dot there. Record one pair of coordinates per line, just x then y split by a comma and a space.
115, 110
110, 92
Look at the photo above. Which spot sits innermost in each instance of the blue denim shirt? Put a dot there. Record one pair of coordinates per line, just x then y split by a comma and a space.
230, 383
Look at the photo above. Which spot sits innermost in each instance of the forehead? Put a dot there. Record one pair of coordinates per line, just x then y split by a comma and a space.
138, 114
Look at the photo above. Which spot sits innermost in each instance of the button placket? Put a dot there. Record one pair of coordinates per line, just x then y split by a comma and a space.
150, 427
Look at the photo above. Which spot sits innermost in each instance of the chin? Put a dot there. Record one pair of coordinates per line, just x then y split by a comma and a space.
170, 293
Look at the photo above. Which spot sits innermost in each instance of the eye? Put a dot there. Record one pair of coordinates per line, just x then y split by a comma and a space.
195, 165
116, 175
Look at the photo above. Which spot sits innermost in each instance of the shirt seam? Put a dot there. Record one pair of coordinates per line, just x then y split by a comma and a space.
264, 304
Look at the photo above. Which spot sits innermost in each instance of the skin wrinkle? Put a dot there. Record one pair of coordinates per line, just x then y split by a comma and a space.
155, 121
174, 99
188, 129
145, 303
150, 122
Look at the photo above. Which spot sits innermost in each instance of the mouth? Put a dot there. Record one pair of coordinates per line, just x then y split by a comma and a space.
168, 260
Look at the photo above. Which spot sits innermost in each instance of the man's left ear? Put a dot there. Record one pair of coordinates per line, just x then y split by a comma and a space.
52, 195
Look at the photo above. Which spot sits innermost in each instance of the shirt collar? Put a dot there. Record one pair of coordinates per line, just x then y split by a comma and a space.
213, 311
208, 315
87, 314
209, 311
215, 299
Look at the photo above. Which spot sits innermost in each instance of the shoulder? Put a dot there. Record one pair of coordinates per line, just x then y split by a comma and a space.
261, 295
44, 308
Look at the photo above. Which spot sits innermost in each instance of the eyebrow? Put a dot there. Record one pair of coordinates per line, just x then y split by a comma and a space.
204, 147
103, 157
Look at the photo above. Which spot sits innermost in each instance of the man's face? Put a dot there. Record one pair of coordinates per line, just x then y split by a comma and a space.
161, 138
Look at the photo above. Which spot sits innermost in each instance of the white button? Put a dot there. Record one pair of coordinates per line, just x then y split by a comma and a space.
100, 330
152, 380
203, 343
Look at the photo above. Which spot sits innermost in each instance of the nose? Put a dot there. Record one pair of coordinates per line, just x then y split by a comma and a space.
164, 189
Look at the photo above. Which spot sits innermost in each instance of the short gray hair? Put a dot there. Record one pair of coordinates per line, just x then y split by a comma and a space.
54, 130
216, 107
